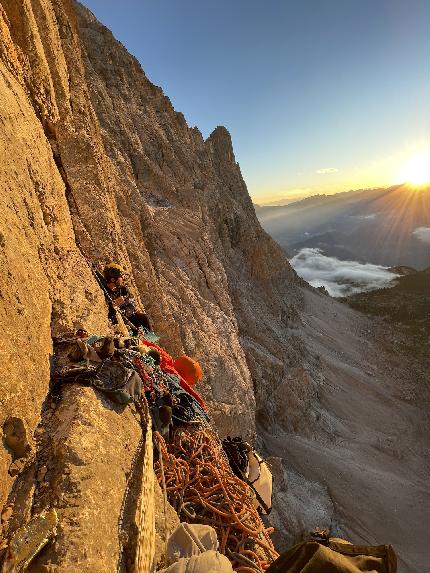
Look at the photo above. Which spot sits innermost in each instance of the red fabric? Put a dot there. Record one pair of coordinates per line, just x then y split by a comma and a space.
167, 365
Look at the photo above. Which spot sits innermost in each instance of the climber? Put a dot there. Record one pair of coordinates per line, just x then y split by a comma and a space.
121, 297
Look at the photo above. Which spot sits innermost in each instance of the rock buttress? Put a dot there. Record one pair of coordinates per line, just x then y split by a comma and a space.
100, 166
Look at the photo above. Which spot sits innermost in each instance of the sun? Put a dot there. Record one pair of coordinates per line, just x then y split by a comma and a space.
417, 170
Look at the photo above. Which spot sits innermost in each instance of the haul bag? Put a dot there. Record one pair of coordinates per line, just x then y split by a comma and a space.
336, 557
260, 479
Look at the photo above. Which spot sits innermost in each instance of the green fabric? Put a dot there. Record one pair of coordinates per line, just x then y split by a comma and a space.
313, 557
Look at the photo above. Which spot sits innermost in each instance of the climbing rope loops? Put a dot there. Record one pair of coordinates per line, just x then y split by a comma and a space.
202, 488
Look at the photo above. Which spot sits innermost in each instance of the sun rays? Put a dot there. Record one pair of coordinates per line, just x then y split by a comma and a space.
416, 171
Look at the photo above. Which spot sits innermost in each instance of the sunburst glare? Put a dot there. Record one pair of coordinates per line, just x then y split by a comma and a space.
417, 170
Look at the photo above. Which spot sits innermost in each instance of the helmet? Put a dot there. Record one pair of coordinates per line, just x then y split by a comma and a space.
189, 369
113, 270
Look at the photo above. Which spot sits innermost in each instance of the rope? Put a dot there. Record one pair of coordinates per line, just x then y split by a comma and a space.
163, 482
145, 550
142, 477
120, 325
202, 488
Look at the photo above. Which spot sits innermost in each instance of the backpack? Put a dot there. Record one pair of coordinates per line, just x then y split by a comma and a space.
122, 385
250, 467
260, 480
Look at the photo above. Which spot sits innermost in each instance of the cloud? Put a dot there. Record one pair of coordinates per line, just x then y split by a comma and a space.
326, 170
423, 234
364, 217
340, 278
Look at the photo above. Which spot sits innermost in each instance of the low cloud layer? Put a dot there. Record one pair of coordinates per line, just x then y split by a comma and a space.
364, 217
326, 170
423, 234
340, 278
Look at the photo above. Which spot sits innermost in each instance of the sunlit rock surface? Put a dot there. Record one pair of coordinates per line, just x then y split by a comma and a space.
99, 166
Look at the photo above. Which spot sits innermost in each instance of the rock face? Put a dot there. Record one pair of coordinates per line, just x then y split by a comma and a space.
97, 166
45, 284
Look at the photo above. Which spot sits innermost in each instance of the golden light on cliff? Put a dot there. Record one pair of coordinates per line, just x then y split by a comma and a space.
417, 170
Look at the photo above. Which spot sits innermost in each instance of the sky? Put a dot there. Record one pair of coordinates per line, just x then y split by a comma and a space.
319, 96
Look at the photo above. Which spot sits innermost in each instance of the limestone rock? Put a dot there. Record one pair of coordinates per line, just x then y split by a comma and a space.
97, 165
15, 437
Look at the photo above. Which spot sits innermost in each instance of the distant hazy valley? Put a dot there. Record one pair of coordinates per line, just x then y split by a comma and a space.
348, 241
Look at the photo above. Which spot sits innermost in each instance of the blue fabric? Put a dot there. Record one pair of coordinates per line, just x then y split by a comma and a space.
150, 335
93, 338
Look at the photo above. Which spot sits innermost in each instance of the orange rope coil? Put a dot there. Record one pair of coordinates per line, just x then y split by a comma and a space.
202, 488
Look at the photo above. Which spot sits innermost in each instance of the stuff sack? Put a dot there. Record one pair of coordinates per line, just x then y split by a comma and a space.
120, 384
190, 539
207, 562
250, 467
335, 557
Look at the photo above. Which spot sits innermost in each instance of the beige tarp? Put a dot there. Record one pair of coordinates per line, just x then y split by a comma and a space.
313, 557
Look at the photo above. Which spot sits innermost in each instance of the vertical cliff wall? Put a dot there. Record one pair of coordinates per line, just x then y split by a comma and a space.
206, 271
100, 166
45, 282
96, 166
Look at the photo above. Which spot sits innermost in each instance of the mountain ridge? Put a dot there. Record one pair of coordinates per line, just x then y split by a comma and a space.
380, 226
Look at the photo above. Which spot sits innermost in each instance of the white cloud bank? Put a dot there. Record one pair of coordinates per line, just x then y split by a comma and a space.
340, 278
364, 217
423, 234
326, 170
